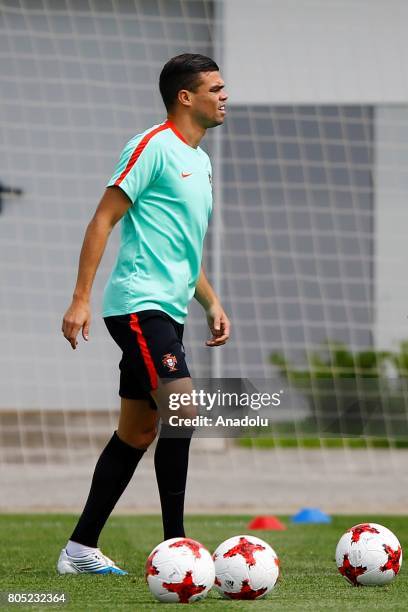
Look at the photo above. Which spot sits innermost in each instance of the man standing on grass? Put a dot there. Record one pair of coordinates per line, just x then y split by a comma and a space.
161, 189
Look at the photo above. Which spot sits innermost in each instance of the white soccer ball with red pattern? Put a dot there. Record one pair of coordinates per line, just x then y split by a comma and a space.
246, 567
180, 570
369, 554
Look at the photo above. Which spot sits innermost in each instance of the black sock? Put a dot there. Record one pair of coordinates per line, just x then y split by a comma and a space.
113, 471
171, 464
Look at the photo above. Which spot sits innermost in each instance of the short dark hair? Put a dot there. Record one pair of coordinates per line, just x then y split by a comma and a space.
182, 72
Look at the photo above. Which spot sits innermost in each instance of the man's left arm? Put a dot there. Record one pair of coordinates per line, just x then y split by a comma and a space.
218, 321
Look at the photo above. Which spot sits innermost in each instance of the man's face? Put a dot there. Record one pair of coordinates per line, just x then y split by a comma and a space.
208, 101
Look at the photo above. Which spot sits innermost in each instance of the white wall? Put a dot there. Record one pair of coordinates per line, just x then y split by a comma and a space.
391, 223
338, 52
316, 51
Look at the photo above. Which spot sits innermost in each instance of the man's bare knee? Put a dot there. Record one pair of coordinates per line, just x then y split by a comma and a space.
145, 438
175, 397
139, 439
137, 423
187, 412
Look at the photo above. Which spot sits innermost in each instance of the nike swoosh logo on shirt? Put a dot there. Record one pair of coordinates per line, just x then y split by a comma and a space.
186, 174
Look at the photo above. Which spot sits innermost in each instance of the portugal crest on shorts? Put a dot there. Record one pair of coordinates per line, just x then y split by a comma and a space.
170, 361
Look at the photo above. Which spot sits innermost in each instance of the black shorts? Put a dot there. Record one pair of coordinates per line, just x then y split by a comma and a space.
152, 345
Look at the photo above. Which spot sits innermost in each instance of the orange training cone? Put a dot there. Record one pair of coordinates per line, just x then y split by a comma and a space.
266, 522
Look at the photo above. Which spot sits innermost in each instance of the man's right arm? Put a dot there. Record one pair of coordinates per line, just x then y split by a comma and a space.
111, 208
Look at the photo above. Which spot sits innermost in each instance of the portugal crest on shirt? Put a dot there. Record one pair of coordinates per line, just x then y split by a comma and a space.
170, 361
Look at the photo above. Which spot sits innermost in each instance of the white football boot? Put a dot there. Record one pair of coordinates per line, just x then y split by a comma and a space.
91, 563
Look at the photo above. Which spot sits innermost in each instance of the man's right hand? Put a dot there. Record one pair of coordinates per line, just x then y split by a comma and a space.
78, 316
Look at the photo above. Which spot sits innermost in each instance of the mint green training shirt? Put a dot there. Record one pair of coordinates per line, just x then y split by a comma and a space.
162, 233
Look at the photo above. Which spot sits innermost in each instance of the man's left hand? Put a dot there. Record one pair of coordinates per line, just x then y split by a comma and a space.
219, 325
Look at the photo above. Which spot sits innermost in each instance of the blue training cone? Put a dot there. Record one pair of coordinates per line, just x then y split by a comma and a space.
311, 515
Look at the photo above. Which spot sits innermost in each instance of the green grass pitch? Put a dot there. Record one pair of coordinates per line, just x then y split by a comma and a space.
30, 545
